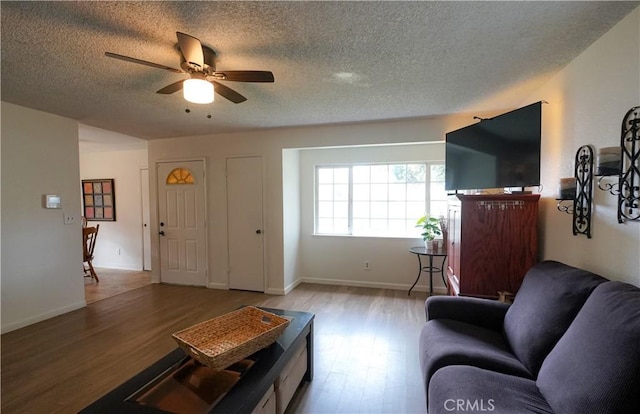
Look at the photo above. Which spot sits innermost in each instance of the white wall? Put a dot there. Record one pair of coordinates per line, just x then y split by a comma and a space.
125, 233
340, 260
291, 217
270, 145
587, 101
41, 256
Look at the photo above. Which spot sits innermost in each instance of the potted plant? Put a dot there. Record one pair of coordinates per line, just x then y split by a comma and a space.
430, 229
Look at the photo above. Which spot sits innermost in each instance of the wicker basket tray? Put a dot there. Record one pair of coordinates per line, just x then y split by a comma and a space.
227, 339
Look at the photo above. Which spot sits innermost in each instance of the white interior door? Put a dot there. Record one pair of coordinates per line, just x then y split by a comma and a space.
245, 225
146, 225
181, 215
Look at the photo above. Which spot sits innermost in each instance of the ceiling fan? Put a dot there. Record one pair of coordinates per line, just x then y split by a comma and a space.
198, 62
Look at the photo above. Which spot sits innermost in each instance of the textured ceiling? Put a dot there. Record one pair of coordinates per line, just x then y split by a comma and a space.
333, 62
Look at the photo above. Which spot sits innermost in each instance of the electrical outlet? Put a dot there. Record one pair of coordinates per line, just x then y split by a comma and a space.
118, 251
367, 265
69, 218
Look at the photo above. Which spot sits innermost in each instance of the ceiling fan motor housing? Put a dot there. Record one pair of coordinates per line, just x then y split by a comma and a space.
209, 62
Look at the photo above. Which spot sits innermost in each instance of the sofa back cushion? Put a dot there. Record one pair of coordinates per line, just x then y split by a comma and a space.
595, 367
550, 297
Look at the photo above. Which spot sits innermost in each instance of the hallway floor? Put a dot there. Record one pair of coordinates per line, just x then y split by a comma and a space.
114, 282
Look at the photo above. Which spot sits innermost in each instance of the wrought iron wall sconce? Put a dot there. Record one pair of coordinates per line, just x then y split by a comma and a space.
565, 205
624, 162
584, 191
576, 192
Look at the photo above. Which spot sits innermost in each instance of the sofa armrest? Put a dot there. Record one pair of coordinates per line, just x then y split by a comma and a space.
481, 312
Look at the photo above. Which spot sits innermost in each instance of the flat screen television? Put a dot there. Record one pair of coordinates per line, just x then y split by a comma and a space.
499, 152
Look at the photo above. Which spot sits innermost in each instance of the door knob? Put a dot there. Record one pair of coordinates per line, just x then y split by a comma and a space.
161, 233
258, 231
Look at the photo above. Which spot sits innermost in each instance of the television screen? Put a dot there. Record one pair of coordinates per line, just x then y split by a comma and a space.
495, 153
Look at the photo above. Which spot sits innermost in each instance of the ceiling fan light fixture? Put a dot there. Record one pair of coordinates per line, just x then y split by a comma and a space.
198, 91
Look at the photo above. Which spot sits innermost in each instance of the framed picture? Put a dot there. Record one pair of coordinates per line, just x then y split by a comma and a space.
99, 200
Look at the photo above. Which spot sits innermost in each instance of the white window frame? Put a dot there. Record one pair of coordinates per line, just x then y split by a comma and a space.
349, 233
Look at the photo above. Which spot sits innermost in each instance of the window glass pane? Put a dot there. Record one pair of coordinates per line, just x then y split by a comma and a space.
398, 173
360, 209
379, 173
361, 192
415, 210
437, 172
415, 192
325, 175
378, 225
341, 209
378, 209
341, 226
341, 192
341, 175
325, 192
397, 227
437, 191
397, 192
360, 225
325, 225
416, 173
325, 209
438, 208
361, 173
397, 209
379, 191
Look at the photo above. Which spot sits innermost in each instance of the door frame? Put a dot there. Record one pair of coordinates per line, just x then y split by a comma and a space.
154, 217
265, 230
145, 246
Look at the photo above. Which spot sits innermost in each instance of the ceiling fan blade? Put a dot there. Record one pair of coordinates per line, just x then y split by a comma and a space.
141, 62
228, 93
174, 87
191, 49
245, 76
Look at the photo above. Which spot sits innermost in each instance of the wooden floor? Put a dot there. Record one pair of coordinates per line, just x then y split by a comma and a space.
113, 282
366, 347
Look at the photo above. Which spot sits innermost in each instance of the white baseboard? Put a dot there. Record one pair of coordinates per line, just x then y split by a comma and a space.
292, 286
356, 283
278, 292
43, 316
118, 266
216, 285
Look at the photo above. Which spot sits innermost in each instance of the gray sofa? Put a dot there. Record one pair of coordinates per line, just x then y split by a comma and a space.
570, 343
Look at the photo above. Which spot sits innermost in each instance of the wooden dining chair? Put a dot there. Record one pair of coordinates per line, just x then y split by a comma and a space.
89, 235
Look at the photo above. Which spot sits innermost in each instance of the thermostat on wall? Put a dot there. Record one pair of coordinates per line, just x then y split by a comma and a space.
52, 201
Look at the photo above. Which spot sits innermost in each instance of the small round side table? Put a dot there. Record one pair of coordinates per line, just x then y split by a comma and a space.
430, 253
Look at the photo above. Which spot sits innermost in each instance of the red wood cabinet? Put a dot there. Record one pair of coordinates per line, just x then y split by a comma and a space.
493, 242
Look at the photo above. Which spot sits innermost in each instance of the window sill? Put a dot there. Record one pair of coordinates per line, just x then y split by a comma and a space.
362, 236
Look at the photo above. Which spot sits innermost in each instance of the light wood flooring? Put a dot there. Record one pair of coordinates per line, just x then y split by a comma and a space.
366, 347
113, 282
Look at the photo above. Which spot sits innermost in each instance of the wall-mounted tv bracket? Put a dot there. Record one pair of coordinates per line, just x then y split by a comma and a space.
582, 204
629, 181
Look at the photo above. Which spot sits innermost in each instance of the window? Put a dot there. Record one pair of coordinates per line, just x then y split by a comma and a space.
180, 176
377, 199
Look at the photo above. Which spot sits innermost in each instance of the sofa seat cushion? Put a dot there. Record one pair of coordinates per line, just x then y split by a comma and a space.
595, 367
550, 297
446, 342
471, 389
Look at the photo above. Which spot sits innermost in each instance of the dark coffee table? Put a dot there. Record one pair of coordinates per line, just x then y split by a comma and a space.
248, 391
